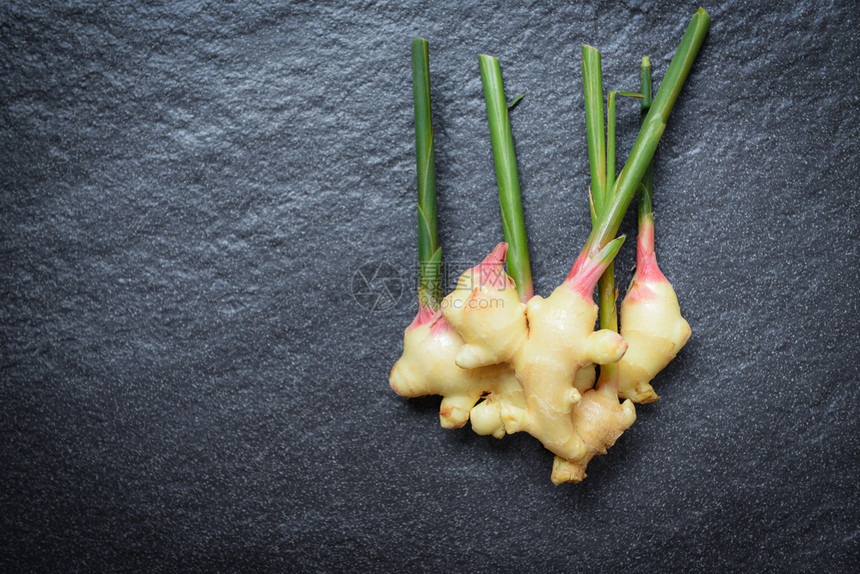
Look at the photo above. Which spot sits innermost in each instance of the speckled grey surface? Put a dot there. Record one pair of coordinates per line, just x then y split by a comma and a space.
187, 383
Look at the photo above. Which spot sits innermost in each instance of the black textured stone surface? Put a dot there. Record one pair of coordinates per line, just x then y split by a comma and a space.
186, 382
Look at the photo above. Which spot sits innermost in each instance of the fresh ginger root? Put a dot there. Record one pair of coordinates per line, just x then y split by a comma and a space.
547, 342
651, 322
502, 407
487, 312
654, 330
561, 341
534, 363
428, 367
599, 419
512, 362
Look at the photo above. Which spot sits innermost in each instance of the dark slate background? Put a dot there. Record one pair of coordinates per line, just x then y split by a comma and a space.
187, 383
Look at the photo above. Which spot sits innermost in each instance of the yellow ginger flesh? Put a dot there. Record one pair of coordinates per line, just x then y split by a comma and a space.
651, 323
532, 364
428, 367
486, 311
502, 407
561, 341
599, 419
548, 342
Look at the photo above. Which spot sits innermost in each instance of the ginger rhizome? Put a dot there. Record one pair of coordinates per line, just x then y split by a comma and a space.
547, 342
651, 321
599, 418
486, 310
509, 361
541, 358
428, 367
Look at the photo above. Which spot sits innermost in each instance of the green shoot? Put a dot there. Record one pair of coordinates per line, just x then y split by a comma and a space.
513, 103
650, 133
647, 186
592, 86
505, 160
598, 147
429, 252
610, 141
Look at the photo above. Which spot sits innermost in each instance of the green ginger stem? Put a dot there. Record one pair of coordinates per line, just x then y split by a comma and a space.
601, 158
429, 252
647, 187
610, 142
518, 265
599, 148
610, 148
649, 135
592, 87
